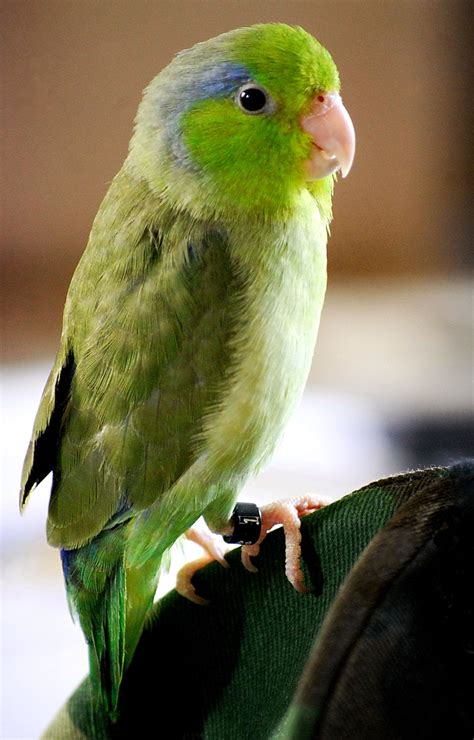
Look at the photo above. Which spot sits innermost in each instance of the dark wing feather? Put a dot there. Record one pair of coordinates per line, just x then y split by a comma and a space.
42, 450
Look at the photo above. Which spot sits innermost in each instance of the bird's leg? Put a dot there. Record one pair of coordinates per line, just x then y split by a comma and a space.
216, 525
246, 519
288, 513
213, 550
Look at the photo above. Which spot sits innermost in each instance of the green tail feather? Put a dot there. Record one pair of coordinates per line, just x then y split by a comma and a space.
105, 632
111, 603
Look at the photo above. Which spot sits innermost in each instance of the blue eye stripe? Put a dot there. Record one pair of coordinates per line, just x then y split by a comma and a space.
215, 82
220, 81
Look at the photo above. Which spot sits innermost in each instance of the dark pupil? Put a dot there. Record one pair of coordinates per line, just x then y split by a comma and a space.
253, 99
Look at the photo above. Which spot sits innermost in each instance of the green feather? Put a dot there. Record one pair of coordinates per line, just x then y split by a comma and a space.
188, 329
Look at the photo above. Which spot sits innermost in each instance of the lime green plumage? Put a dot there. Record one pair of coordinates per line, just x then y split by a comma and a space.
188, 327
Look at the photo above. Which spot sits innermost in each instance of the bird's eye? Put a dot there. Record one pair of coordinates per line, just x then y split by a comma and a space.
253, 99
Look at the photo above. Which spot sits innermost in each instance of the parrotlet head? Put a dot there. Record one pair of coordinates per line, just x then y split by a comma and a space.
244, 122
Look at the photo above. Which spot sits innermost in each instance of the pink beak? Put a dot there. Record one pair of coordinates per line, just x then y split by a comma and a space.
332, 132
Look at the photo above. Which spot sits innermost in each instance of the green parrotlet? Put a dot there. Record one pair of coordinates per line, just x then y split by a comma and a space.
190, 321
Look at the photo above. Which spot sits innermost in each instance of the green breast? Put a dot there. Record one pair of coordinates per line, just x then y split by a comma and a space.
284, 265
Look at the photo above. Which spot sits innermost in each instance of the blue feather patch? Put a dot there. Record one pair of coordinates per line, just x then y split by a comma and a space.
220, 81
67, 561
216, 81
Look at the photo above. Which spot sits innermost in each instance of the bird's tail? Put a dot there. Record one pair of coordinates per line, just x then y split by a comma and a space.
112, 604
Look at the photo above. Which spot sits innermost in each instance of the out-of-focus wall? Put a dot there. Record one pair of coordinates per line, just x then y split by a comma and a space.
73, 74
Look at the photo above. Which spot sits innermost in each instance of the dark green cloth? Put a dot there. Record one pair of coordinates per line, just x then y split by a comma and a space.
229, 671
395, 656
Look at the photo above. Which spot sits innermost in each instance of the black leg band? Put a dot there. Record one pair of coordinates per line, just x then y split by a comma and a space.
247, 522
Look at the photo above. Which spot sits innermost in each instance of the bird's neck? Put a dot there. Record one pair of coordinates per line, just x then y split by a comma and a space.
131, 208
189, 191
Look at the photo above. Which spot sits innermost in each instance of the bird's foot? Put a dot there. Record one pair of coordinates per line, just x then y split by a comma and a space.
213, 549
211, 543
287, 513
184, 584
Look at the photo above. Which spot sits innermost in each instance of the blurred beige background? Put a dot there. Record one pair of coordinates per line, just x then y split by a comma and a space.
390, 387
73, 72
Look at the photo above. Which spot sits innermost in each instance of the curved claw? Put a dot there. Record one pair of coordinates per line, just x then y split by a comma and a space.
209, 542
213, 549
184, 577
247, 552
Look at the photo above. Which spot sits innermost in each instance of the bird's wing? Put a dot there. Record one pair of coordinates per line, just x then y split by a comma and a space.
121, 414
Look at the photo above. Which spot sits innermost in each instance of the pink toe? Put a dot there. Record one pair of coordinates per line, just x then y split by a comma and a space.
184, 577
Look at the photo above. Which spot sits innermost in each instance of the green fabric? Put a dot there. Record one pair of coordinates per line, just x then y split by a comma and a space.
395, 656
230, 670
